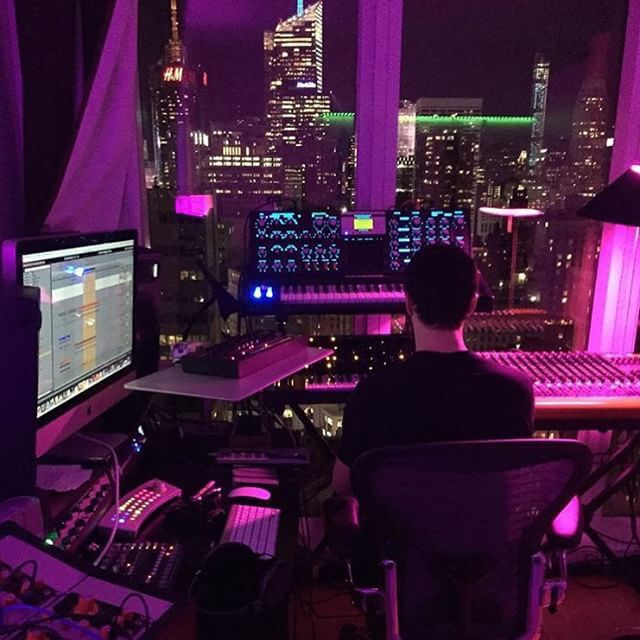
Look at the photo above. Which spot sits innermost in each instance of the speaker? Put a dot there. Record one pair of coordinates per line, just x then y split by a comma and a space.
146, 312
19, 324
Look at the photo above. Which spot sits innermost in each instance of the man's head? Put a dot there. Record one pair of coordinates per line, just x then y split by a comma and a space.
441, 285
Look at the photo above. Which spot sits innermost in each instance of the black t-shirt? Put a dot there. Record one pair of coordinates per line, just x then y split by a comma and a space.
436, 397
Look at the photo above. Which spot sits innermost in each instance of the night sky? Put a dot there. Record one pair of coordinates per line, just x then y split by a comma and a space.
472, 48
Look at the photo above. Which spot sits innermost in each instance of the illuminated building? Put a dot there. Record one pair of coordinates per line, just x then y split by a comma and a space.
180, 240
503, 169
349, 174
448, 152
565, 250
243, 175
406, 167
538, 108
589, 153
177, 115
547, 183
295, 103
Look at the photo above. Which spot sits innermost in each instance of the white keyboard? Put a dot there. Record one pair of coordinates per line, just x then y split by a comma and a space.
257, 527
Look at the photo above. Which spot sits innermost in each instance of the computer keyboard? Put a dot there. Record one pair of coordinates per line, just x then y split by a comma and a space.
257, 527
145, 563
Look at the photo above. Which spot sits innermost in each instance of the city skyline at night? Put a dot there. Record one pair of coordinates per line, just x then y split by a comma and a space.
296, 146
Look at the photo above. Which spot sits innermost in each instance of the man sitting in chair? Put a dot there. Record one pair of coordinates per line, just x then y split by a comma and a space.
443, 392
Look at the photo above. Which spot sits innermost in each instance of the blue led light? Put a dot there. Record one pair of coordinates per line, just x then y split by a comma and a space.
269, 292
257, 293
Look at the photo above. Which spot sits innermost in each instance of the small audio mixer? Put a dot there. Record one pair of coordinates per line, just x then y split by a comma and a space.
144, 563
242, 355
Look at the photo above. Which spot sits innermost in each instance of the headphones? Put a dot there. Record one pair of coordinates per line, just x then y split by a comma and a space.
233, 580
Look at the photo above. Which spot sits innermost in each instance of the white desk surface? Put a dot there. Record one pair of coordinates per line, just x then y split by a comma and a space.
175, 381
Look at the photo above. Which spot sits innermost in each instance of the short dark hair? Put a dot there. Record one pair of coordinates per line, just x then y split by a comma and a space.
441, 281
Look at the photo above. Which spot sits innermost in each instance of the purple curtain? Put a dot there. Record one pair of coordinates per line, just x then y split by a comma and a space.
102, 187
12, 209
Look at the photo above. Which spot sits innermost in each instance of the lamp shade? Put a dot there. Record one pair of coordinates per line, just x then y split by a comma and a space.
618, 203
511, 212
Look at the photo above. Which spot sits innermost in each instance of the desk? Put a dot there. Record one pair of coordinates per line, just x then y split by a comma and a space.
175, 381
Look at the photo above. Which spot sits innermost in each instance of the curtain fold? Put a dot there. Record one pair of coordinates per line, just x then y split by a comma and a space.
102, 187
12, 205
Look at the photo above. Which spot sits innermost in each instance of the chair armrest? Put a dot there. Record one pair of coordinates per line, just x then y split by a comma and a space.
342, 526
566, 529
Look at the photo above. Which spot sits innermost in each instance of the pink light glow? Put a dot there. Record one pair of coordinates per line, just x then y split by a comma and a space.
614, 315
635, 168
197, 206
511, 213
567, 521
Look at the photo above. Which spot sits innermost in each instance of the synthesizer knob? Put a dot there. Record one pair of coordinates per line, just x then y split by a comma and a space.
86, 606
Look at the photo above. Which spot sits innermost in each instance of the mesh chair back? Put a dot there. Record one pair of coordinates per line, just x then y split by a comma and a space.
462, 520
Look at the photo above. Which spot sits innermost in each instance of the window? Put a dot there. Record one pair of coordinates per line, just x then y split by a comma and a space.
515, 109
237, 102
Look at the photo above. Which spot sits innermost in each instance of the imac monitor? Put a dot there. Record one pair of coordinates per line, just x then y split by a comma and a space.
86, 338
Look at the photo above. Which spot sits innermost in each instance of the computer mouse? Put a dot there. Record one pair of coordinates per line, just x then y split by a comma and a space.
256, 493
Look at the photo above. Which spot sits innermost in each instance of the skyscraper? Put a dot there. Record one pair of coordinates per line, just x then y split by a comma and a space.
180, 147
406, 167
177, 114
296, 102
242, 175
448, 152
538, 107
589, 154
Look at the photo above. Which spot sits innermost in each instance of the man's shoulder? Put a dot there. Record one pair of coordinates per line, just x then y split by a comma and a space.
504, 376
387, 377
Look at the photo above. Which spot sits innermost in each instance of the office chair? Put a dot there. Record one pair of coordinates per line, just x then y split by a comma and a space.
469, 540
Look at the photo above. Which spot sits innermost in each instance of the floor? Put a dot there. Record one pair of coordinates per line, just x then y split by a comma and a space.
596, 608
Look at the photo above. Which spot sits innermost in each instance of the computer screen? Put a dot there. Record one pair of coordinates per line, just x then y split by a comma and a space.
86, 287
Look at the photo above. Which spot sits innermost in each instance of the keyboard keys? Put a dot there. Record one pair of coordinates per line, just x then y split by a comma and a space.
365, 293
257, 527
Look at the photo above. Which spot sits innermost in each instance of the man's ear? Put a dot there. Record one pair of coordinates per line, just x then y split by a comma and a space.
408, 303
474, 304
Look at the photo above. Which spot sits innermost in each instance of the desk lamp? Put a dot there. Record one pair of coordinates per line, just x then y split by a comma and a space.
618, 203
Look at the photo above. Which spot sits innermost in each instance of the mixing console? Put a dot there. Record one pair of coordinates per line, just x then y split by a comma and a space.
570, 386
322, 262
575, 374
